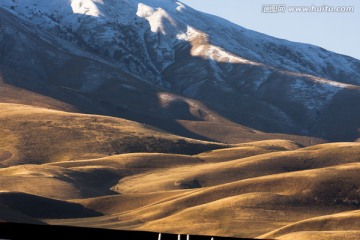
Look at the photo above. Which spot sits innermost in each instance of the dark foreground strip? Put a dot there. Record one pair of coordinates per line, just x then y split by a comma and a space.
16, 231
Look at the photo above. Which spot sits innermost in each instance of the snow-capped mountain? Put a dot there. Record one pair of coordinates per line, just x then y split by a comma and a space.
157, 27
247, 77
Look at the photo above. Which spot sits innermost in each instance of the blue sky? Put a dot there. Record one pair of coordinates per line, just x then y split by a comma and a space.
338, 32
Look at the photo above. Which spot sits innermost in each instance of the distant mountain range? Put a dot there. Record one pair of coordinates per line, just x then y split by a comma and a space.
160, 62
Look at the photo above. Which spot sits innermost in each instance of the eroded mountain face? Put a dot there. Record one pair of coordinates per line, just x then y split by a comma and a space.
140, 59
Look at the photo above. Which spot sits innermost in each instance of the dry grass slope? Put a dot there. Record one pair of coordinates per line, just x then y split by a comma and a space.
344, 225
232, 133
271, 195
36, 135
12, 94
9, 215
40, 207
113, 173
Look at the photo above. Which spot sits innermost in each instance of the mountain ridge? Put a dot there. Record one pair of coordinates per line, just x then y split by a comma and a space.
278, 86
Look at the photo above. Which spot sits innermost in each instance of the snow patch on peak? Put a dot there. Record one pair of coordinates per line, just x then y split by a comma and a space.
87, 7
189, 34
158, 19
181, 7
144, 11
218, 54
168, 5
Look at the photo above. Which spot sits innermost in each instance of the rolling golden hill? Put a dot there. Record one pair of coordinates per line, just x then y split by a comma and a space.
113, 173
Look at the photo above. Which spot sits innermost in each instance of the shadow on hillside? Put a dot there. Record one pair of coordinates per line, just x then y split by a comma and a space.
265, 112
17, 230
